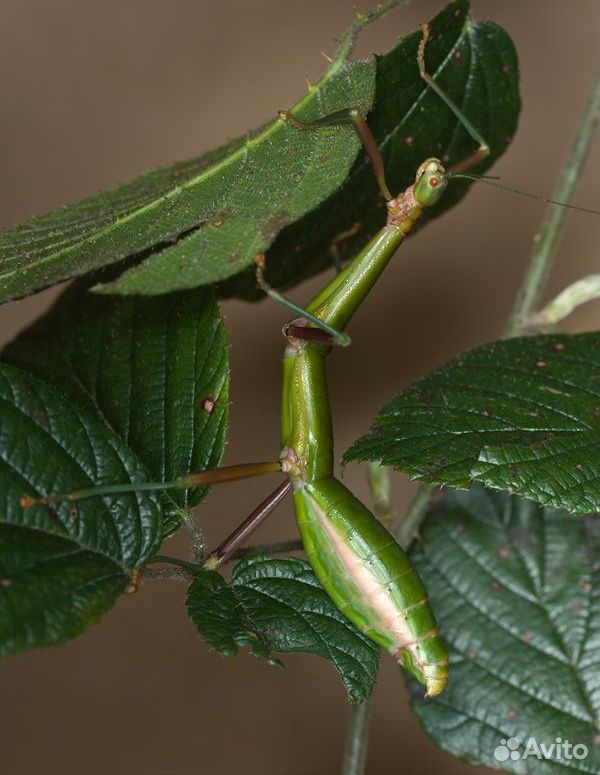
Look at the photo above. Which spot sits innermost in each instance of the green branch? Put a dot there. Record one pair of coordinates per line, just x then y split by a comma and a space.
357, 736
293, 545
546, 242
406, 529
361, 21
190, 567
175, 574
573, 296
378, 477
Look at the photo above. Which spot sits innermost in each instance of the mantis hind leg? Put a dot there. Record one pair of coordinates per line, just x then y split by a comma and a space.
230, 545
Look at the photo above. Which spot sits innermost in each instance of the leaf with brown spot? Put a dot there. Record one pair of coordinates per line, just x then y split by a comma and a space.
146, 365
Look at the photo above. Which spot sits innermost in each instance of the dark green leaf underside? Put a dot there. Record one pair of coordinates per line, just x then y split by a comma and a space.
515, 591
155, 368
520, 415
79, 552
220, 209
279, 606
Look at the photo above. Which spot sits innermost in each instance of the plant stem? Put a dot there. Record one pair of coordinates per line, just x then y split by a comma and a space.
573, 296
188, 566
404, 530
361, 21
293, 545
357, 737
546, 241
378, 477
175, 574
196, 534
187, 570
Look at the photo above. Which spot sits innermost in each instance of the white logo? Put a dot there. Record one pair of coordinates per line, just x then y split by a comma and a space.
507, 750
559, 749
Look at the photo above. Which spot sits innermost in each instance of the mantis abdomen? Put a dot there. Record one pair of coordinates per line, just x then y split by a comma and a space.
369, 578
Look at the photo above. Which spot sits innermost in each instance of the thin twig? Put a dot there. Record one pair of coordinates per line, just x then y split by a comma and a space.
546, 242
293, 545
190, 567
406, 529
198, 553
176, 574
378, 477
186, 571
361, 21
573, 296
357, 737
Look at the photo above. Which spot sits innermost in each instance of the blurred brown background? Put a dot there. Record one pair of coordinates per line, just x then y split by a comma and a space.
93, 93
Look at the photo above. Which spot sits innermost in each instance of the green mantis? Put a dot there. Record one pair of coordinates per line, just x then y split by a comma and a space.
362, 568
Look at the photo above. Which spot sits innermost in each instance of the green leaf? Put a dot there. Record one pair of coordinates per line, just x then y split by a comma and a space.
63, 566
278, 605
51, 589
520, 415
515, 591
156, 369
223, 208
219, 209
476, 64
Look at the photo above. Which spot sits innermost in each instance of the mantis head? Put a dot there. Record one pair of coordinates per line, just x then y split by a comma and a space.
407, 208
430, 182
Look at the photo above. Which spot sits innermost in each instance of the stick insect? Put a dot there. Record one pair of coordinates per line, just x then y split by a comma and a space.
363, 569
